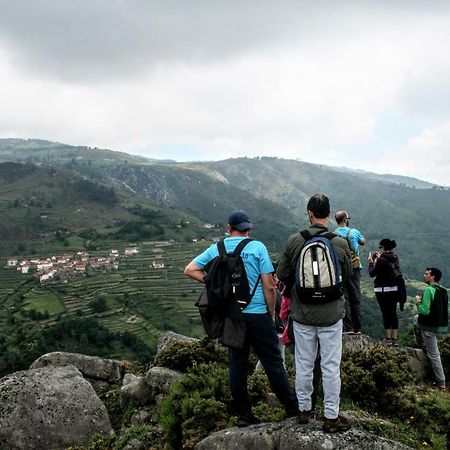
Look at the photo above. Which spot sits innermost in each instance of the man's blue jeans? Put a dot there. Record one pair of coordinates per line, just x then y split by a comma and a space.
262, 337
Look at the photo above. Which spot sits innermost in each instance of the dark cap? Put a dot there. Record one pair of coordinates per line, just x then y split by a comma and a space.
240, 221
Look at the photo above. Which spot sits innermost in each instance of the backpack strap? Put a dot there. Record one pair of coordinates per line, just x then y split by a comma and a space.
241, 246
221, 248
237, 251
327, 234
306, 234
347, 237
256, 285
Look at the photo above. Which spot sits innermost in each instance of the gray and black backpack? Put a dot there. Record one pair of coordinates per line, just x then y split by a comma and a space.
317, 271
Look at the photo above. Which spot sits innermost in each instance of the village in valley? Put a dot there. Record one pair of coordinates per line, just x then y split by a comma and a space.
70, 265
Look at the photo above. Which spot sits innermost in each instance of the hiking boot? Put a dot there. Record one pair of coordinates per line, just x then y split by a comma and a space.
336, 425
303, 417
394, 343
319, 416
387, 342
247, 420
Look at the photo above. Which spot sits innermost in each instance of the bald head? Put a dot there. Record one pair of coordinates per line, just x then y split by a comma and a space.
341, 217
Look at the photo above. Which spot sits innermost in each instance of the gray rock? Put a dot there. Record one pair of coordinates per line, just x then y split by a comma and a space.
136, 389
169, 338
49, 408
135, 444
161, 379
418, 363
129, 378
141, 417
289, 435
92, 367
351, 342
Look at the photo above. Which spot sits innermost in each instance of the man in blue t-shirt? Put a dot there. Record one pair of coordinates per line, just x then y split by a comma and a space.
259, 316
352, 290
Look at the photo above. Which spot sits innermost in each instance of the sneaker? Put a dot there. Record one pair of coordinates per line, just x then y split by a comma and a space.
303, 417
336, 425
387, 342
394, 343
247, 420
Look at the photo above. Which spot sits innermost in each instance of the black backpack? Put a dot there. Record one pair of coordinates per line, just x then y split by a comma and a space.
226, 281
399, 282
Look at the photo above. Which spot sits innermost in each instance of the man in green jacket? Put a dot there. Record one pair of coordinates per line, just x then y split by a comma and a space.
317, 323
432, 320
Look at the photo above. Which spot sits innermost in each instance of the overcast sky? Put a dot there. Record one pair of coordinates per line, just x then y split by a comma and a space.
361, 84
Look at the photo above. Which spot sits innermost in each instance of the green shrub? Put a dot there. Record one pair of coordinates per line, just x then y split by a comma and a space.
119, 413
196, 406
144, 433
444, 348
183, 355
427, 410
369, 376
380, 380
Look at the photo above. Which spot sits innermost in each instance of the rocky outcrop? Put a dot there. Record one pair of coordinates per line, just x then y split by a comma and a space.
169, 338
51, 407
92, 367
289, 435
352, 342
418, 363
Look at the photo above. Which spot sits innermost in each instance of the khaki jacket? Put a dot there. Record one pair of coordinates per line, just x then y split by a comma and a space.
307, 314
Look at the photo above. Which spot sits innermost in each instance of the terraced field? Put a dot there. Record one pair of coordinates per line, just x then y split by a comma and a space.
141, 299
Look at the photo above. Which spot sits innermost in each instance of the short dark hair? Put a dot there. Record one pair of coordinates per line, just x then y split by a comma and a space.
319, 205
436, 273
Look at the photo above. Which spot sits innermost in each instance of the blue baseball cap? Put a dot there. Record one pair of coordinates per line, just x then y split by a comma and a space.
239, 220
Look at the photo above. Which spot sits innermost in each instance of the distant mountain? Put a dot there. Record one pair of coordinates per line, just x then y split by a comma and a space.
389, 178
274, 191
45, 152
416, 218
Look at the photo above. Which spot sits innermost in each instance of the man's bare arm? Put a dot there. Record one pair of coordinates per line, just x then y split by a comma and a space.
269, 292
194, 271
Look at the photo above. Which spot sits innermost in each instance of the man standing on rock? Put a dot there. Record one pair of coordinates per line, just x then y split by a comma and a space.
258, 316
317, 322
352, 290
432, 320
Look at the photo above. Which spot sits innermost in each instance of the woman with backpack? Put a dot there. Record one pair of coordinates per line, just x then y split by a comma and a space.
385, 267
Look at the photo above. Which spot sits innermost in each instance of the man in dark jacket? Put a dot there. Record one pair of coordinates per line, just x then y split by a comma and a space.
432, 320
317, 323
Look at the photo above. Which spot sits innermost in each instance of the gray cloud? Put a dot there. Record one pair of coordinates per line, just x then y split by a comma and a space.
75, 39
83, 39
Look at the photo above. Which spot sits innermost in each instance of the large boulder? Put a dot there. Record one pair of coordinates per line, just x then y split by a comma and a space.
92, 367
352, 342
49, 408
289, 435
169, 338
161, 379
418, 363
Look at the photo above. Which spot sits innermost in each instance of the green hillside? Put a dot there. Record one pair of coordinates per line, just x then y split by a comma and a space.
49, 208
61, 198
416, 218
